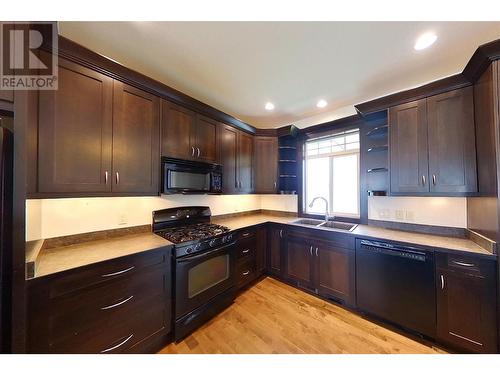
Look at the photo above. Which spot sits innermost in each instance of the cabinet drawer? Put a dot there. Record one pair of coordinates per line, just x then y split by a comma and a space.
118, 334
466, 264
245, 271
247, 233
97, 307
95, 274
246, 248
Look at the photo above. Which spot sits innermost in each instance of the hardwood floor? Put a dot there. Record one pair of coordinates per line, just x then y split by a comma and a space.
272, 317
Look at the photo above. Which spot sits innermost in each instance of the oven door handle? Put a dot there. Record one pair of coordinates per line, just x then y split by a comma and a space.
194, 257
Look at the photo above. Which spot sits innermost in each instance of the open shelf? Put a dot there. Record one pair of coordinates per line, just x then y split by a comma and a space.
377, 193
376, 170
378, 132
287, 148
378, 148
287, 161
288, 176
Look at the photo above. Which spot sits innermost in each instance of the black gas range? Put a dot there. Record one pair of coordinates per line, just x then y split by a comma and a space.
205, 264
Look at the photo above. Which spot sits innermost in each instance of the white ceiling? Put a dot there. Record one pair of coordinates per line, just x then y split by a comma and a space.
238, 66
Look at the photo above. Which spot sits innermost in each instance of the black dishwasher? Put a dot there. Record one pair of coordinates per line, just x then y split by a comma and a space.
396, 283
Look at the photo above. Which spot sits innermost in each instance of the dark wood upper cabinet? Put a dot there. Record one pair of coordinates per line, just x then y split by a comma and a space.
466, 303
75, 127
206, 139
335, 273
7, 95
228, 145
136, 134
178, 128
452, 146
266, 164
187, 135
408, 148
299, 260
236, 157
432, 145
245, 162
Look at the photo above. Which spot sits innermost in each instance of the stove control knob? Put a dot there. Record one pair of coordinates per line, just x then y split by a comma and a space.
189, 250
212, 242
197, 246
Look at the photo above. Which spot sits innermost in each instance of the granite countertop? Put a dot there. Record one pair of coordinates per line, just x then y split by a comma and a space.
62, 258
445, 243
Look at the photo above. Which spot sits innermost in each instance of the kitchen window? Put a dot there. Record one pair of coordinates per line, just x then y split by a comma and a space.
331, 170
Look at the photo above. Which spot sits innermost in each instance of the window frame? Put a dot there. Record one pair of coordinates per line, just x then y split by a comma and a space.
301, 158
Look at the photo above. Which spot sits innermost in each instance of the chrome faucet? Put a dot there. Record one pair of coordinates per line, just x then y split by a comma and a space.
326, 206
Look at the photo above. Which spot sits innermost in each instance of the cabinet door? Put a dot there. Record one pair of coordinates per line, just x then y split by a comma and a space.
261, 248
452, 146
7, 95
177, 131
136, 133
228, 143
466, 308
335, 272
75, 125
274, 244
206, 139
299, 259
408, 148
266, 164
245, 162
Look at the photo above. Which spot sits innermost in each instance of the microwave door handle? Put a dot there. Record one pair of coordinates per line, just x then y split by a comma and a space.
204, 255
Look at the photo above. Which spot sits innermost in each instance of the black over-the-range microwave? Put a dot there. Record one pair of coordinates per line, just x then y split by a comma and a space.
190, 177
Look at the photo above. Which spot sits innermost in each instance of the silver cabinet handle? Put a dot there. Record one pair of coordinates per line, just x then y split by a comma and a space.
117, 345
117, 304
192, 151
117, 178
245, 273
106, 175
442, 282
245, 234
281, 233
434, 179
119, 272
311, 250
463, 263
245, 251
423, 180
316, 251
275, 185
199, 152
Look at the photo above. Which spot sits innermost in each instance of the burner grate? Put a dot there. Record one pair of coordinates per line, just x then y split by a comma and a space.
192, 232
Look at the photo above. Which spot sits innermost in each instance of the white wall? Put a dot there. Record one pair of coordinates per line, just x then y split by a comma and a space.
46, 218
449, 212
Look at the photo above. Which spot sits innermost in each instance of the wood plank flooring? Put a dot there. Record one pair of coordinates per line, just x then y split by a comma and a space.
272, 317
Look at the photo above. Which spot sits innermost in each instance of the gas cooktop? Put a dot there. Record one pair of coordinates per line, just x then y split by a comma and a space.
192, 232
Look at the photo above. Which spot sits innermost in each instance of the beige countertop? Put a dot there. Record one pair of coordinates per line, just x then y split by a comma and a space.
62, 258
368, 231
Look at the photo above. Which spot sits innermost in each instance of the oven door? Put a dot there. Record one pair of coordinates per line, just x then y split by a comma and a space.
201, 277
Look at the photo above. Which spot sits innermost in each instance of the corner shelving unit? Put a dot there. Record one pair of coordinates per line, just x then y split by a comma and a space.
376, 157
287, 162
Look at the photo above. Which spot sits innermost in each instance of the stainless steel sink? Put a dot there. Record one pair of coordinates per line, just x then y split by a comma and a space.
338, 225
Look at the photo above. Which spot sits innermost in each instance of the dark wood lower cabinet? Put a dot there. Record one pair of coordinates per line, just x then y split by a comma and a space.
117, 306
299, 260
466, 303
274, 258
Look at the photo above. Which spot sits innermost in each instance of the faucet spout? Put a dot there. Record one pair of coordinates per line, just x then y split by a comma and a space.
326, 205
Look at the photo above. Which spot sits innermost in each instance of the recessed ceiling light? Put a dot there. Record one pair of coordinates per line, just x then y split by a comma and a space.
321, 103
424, 41
269, 106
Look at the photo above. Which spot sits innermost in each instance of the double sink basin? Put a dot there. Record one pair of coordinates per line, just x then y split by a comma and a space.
336, 225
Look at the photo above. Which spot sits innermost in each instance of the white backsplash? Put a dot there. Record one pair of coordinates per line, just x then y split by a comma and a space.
441, 211
47, 218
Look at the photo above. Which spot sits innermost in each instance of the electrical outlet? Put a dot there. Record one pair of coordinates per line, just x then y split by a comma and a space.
400, 215
384, 214
122, 220
410, 216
